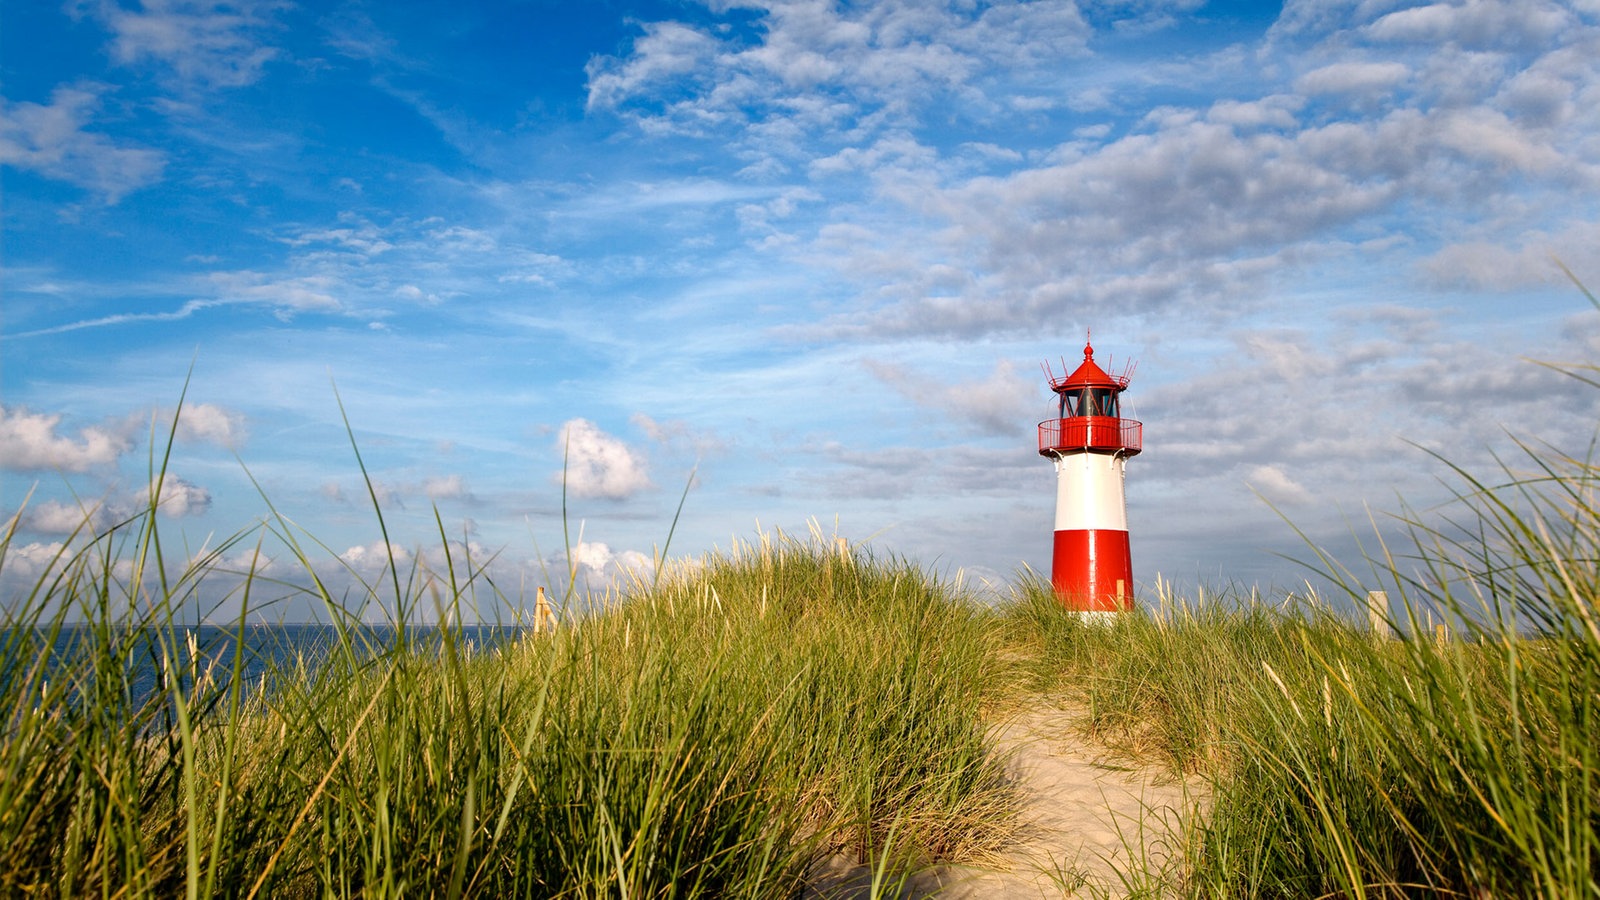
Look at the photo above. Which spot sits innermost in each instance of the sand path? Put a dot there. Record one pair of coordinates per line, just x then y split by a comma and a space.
1092, 824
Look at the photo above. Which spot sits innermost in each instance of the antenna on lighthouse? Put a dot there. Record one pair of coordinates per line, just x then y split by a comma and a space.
1090, 442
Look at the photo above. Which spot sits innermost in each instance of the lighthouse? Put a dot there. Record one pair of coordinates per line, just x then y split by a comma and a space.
1090, 442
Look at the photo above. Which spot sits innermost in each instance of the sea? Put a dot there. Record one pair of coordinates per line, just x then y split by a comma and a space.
146, 663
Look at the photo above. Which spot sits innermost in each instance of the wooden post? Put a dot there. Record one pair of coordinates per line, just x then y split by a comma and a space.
1378, 614
542, 614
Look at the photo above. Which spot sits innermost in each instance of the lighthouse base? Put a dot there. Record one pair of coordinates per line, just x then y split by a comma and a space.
1091, 570
1099, 618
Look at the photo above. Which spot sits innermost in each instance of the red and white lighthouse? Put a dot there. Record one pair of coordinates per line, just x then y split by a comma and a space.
1090, 442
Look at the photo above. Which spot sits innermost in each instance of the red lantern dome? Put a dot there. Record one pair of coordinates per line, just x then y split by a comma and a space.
1090, 417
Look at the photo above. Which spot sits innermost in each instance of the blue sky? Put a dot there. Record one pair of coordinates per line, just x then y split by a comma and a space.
814, 252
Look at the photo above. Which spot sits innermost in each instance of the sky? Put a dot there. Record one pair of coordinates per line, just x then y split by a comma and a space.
798, 265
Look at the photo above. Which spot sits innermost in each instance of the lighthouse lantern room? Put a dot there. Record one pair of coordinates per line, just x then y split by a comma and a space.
1090, 441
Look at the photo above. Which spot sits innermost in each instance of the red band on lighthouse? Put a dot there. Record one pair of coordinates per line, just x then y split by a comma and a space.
1091, 569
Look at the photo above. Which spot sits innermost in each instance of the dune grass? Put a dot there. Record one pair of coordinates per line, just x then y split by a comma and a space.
714, 733
722, 729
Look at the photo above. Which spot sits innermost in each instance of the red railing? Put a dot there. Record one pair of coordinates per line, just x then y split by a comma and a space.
1107, 434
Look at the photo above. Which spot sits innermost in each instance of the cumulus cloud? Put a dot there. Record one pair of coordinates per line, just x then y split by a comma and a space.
30, 442
598, 464
30, 562
209, 423
56, 517
179, 498
1475, 24
366, 559
598, 568
52, 141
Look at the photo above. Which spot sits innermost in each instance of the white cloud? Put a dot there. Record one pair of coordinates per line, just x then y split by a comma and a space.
1354, 78
212, 424
1278, 111
180, 498
1487, 136
1476, 24
598, 464
416, 294
28, 563
820, 69
250, 559
205, 43
1277, 488
1540, 98
30, 442
55, 517
542, 269
374, 557
51, 140
461, 239
600, 569
432, 556
1498, 266
287, 295
364, 239
447, 487
666, 50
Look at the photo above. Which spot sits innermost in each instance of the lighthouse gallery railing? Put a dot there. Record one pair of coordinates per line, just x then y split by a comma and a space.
1105, 433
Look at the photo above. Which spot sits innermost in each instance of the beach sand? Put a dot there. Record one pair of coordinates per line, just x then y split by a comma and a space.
1092, 824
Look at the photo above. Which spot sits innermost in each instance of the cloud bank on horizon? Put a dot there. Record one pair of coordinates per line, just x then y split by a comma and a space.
802, 259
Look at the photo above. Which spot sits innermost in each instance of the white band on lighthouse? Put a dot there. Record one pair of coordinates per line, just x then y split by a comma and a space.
1089, 493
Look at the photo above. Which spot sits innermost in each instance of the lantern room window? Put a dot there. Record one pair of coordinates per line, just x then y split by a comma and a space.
1089, 401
